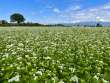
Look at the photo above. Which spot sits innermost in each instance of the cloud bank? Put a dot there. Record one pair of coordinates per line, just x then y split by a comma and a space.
77, 13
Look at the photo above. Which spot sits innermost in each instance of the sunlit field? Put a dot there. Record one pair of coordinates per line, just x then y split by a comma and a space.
54, 55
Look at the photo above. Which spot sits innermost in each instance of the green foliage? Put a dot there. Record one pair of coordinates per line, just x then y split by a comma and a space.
16, 17
54, 55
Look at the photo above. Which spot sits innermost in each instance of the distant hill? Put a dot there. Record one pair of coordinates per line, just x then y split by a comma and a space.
87, 24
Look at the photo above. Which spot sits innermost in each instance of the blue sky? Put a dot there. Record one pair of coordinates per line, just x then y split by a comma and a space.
57, 11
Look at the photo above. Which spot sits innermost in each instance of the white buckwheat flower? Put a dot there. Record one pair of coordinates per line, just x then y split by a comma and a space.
14, 79
74, 79
61, 81
39, 72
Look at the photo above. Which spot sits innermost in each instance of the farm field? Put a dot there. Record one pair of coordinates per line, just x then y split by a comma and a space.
54, 55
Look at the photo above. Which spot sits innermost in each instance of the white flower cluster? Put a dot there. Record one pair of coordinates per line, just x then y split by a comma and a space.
14, 79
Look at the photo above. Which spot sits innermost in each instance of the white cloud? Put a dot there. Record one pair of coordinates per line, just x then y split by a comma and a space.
75, 8
56, 10
99, 13
107, 6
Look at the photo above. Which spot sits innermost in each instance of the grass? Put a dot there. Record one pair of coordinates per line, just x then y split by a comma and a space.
54, 55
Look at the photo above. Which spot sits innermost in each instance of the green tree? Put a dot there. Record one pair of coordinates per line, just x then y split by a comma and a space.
16, 17
4, 22
98, 25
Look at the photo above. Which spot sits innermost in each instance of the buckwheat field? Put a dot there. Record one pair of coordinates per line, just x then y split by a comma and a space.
54, 55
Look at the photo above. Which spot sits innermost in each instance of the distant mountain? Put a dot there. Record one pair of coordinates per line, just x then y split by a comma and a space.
87, 24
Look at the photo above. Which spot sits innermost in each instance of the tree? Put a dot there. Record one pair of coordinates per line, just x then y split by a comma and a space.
98, 25
16, 17
4, 22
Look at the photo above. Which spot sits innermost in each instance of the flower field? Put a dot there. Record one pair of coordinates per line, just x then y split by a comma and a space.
54, 55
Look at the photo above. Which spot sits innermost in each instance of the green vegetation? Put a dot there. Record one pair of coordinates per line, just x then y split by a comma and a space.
54, 55
16, 17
